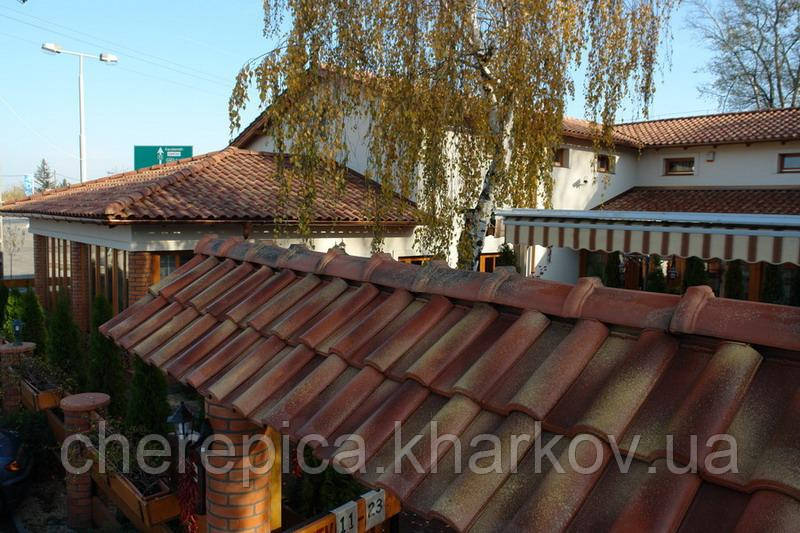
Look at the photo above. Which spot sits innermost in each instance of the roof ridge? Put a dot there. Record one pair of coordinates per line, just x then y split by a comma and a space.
205, 161
588, 299
89, 183
709, 115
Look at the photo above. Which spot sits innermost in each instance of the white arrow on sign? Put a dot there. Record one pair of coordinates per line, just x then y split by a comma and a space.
160, 155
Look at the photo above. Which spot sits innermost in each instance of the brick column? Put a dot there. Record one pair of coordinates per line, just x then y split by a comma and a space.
77, 410
233, 504
10, 355
40, 268
79, 283
139, 275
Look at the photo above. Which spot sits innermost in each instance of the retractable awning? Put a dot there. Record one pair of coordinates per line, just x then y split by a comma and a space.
751, 238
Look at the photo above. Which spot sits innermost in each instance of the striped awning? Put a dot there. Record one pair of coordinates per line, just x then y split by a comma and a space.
751, 238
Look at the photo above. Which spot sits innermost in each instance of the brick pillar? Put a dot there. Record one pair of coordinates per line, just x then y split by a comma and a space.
40, 268
139, 275
233, 504
79, 283
11, 355
77, 410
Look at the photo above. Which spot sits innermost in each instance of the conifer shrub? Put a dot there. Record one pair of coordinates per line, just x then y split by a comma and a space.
695, 272
656, 281
65, 352
147, 406
734, 283
611, 275
772, 286
105, 369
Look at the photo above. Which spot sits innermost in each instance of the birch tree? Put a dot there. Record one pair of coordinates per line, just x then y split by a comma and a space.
464, 98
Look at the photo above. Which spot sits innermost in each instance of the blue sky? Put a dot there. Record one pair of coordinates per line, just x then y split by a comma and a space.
177, 63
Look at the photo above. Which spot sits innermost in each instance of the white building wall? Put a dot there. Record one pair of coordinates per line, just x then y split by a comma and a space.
733, 165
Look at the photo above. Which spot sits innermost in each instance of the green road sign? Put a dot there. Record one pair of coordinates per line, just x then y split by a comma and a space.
147, 156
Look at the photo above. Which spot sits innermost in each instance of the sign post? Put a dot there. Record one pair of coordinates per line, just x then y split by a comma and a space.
147, 156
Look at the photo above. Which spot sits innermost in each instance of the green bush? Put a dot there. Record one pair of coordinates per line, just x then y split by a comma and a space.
611, 275
38, 441
65, 352
656, 281
734, 283
25, 307
105, 371
147, 400
4, 293
695, 272
508, 257
13, 310
772, 287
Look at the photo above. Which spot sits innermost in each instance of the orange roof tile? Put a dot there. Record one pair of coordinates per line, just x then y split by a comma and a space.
781, 201
334, 344
741, 127
722, 128
229, 185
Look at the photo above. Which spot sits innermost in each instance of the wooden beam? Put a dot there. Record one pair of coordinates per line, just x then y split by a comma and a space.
388, 507
114, 282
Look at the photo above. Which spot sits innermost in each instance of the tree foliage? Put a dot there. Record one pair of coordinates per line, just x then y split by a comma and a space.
464, 100
45, 177
147, 407
106, 372
612, 277
756, 44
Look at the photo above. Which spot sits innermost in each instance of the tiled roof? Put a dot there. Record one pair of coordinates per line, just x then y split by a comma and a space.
707, 200
746, 126
336, 344
724, 128
587, 130
229, 185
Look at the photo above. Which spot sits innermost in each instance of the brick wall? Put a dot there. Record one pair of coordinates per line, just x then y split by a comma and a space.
233, 504
79, 283
139, 275
40, 267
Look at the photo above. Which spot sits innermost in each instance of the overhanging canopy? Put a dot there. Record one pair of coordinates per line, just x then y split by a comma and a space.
751, 238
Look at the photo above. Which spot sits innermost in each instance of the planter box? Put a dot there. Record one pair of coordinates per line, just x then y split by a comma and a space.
57, 425
150, 510
38, 400
144, 511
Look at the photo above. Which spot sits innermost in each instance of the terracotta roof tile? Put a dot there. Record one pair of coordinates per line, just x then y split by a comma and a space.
742, 127
229, 185
764, 201
278, 336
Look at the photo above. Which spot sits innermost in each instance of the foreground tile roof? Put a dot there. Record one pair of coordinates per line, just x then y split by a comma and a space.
723, 128
334, 344
229, 185
785, 201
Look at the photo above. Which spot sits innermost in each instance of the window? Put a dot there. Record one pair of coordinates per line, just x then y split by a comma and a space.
679, 166
604, 163
561, 158
789, 163
415, 259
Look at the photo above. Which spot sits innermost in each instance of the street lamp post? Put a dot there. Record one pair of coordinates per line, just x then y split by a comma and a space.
105, 58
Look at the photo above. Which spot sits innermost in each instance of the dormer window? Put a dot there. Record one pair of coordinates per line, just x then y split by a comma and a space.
604, 163
679, 166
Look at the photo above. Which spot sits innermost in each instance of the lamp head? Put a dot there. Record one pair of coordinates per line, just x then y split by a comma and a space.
109, 58
181, 420
51, 48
